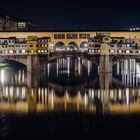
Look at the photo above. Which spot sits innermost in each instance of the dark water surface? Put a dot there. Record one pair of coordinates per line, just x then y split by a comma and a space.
69, 98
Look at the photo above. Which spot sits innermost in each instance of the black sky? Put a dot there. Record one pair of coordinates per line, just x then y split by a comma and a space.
75, 14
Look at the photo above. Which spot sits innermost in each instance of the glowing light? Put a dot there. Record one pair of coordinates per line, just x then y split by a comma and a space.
88, 67
2, 76
57, 67
85, 44
11, 91
23, 92
127, 95
11, 51
23, 51
68, 65
48, 69
86, 99
79, 66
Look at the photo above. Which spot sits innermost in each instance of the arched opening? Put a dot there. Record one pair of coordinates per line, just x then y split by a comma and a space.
60, 46
84, 46
72, 46
12, 63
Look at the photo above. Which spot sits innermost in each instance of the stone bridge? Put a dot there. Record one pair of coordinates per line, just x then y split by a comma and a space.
104, 57
31, 61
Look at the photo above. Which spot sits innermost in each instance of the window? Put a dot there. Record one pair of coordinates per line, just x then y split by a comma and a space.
112, 51
59, 36
119, 51
106, 39
4, 46
17, 45
84, 36
23, 45
128, 45
20, 51
5, 41
23, 51
72, 36
31, 45
11, 41
21, 24
127, 51
11, 51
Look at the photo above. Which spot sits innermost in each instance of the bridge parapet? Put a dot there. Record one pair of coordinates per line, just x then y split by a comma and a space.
114, 51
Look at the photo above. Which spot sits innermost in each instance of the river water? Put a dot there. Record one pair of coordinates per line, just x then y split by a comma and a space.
70, 97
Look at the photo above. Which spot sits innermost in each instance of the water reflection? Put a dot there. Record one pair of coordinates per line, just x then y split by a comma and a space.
128, 72
22, 92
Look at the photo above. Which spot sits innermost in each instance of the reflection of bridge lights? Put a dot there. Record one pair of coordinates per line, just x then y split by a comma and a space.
52, 98
66, 94
57, 66
79, 65
48, 69
11, 89
32, 92
79, 96
2, 77
127, 95
17, 91
92, 93
23, 92
86, 99
89, 92
111, 94
120, 94
88, 67
6, 91
68, 65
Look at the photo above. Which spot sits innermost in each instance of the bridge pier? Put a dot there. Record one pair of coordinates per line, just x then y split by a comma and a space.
104, 64
105, 80
32, 84
32, 62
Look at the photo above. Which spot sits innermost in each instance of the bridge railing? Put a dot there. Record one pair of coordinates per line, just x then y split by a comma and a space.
115, 51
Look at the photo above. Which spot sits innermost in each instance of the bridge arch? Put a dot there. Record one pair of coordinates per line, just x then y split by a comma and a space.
72, 46
14, 61
60, 46
116, 59
84, 46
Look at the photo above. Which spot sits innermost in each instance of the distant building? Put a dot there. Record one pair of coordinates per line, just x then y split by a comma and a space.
23, 24
7, 23
12, 24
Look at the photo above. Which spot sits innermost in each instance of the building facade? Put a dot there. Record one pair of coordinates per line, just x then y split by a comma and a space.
45, 42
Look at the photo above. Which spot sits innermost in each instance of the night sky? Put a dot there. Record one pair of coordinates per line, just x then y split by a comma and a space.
75, 14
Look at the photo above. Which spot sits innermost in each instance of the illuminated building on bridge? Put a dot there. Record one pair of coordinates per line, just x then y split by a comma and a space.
28, 47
